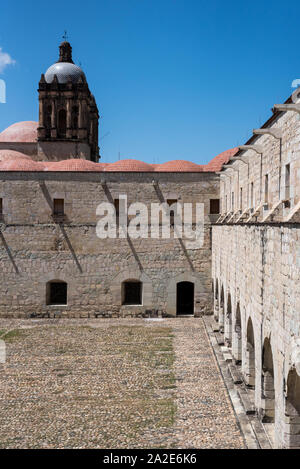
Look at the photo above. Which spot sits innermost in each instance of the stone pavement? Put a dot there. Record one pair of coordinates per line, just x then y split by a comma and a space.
205, 417
113, 383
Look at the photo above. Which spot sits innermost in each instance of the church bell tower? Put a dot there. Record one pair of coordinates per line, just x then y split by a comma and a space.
67, 110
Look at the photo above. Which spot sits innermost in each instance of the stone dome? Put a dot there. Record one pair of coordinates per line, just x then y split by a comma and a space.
25, 131
64, 71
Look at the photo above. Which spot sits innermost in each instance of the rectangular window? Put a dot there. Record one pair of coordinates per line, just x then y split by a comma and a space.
232, 201
58, 207
226, 209
266, 188
287, 181
1, 207
214, 206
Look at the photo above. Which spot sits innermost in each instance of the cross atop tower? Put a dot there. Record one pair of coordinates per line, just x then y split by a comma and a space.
65, 36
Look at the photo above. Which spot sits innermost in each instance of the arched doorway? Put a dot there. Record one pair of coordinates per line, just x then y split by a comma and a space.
249, 368
292, 411
185, 298
237, 337
268, 389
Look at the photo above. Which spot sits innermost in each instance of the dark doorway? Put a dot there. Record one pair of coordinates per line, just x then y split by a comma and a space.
185, 298
56, 293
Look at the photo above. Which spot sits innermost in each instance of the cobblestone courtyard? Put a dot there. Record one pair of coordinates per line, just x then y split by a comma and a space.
113, 383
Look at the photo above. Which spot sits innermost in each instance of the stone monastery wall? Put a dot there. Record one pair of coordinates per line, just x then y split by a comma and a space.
37, 249
256, 271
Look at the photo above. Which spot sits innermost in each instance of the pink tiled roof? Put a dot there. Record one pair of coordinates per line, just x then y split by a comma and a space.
179, 166
216, 163
72, 165
21, 164
129, 165
12, 155
20, 132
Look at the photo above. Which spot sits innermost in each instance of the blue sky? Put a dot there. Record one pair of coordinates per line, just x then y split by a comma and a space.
173, 79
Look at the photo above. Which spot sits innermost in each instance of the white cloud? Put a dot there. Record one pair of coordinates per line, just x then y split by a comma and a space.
5, 60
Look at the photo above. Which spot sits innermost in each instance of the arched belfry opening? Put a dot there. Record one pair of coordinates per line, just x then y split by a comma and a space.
56, 293
185, 298
62, 123
249, 367
292, 411
268, 388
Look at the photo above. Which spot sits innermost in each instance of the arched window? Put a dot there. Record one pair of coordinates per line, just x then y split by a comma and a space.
56, 292
132, 292
62, 123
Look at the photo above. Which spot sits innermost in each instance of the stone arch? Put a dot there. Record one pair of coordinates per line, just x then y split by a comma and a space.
267, 383
237, 336
132, 274
249, 366
228, 322
192, 277
221, 310
292, 411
